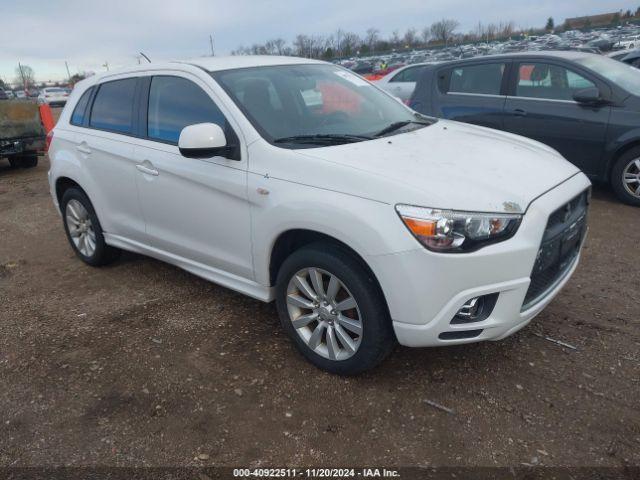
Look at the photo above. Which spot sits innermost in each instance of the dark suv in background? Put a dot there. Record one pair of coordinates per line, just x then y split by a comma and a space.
585, 106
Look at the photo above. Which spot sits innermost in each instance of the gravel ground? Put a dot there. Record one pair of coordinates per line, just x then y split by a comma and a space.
142, 364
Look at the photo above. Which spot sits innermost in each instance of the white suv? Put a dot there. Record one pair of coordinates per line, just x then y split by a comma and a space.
297, 181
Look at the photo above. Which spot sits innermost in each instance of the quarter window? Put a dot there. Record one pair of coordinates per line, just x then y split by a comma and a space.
480, 79
548, 81
78, 115
411, 74
113, 106
175, 103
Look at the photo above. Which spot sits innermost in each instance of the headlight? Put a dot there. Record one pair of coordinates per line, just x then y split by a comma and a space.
454, 231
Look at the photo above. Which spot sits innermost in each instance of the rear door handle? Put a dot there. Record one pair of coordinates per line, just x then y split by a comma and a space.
82, 148
148, 169
518, 112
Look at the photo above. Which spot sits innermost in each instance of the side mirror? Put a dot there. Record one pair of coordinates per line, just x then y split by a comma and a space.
588, 96
202, 140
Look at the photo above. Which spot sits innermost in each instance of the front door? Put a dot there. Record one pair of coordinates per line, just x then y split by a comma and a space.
541, 107
195, 209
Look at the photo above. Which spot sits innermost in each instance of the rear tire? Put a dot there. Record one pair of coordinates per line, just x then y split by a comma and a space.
83, 229
625, 177
334, 352
24, 161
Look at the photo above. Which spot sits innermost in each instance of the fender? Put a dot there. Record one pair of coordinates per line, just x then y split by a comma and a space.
616, 146
300, 207
65, 164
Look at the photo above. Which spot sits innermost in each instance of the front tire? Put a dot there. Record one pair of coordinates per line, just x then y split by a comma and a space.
625, 177
83, 229
333, 309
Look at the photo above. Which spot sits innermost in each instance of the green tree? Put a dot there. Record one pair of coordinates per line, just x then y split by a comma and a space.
550, 24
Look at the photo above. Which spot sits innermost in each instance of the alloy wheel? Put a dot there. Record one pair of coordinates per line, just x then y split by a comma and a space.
80, 228
324, 313
631, 177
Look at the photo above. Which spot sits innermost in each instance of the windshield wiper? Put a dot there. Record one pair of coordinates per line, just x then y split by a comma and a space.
398, 125
323, 138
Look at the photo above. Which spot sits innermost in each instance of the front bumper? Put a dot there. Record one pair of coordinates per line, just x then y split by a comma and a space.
424, 290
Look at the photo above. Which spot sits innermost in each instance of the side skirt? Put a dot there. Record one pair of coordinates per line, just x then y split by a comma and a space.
229, 280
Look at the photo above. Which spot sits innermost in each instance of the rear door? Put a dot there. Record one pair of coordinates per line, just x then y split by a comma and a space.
104, 144
540, 105
472, 92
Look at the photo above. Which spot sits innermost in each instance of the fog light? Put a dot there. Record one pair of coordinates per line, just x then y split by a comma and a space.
476, 309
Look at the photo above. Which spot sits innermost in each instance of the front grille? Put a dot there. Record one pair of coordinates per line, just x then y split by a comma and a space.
560, 246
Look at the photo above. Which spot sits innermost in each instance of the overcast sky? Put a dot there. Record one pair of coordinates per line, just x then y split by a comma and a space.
88, 33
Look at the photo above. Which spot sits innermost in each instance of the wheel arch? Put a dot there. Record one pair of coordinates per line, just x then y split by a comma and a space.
293, 239
619, 152
63, 184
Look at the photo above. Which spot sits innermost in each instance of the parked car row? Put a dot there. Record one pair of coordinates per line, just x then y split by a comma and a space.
54, 96
593, 41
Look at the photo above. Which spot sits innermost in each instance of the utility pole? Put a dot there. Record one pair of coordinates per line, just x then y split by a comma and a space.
211, 44
67, 65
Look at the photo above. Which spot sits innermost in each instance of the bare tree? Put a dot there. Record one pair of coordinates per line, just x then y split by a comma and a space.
339, 46
275, 46
410, 37
302, 46
443, 30
395, 38
25, 76
371, 38
425, 34
350, 43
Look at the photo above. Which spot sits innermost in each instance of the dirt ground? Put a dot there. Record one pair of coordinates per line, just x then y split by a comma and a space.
142, 364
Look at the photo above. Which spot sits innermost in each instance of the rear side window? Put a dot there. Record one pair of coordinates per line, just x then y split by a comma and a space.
175, 103
113, 107
78, 115
480, 79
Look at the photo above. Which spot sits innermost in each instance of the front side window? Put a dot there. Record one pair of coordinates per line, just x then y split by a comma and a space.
483, 79
175, 103
548, 81
288, 101
78, 115
113, 107
623, 75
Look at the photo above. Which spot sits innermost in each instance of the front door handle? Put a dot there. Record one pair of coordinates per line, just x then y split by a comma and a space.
82, 148
518, 112
147, 168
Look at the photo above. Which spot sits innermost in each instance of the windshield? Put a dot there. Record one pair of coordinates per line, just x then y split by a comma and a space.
621, 74
315, 104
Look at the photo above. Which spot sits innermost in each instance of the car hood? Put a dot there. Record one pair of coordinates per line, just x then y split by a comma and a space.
449, 165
